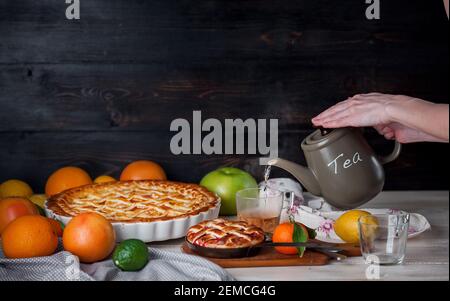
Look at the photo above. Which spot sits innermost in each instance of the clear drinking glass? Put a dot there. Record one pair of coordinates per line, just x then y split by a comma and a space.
383, 238
261, 207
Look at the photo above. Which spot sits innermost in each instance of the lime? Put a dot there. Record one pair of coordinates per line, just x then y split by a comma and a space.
131, 255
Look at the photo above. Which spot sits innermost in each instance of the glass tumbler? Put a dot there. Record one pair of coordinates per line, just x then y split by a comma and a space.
261, 207
383, 238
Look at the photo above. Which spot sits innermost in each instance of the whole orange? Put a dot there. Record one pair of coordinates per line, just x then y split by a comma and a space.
12, 208
66, 178
89, 236
285, 233
143, 170
29, 236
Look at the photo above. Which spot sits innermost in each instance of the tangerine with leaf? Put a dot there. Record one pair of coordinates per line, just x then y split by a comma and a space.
290, 232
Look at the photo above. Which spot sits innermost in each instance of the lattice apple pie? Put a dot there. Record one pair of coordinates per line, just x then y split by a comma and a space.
225, 234
135, 201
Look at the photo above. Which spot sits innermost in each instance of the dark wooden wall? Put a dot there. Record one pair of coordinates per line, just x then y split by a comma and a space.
102, 91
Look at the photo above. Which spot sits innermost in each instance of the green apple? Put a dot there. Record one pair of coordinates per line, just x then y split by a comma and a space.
226, 181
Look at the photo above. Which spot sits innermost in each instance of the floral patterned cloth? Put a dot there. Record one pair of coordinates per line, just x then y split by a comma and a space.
320, 216
316, 214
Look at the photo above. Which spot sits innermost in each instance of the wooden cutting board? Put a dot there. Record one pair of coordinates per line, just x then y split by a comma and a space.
268, 257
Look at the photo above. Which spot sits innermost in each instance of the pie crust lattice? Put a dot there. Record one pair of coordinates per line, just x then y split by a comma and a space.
135, 201
224, 234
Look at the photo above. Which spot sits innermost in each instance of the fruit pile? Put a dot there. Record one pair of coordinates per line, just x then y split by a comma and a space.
26, 232
346, 227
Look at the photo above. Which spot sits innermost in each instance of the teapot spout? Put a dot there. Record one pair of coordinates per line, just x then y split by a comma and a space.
301, 173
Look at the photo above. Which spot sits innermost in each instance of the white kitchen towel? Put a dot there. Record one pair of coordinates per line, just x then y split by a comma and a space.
63, 266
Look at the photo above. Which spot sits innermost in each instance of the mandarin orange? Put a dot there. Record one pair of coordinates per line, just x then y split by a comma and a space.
285, 233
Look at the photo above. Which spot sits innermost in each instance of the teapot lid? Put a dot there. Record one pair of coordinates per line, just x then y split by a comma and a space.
321, 138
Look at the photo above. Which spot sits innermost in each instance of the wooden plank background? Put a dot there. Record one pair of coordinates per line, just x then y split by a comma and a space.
102, 91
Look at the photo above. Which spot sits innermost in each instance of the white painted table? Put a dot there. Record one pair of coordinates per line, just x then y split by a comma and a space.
427, 255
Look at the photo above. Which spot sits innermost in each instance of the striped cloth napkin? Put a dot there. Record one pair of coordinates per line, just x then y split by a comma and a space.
63, 266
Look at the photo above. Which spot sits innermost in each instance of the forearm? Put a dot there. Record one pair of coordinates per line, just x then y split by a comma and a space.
423, 137
424, 116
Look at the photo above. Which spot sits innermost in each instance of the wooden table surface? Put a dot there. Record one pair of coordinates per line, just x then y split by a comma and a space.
427, 256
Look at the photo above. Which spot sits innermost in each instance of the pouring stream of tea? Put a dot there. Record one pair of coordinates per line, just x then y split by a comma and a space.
267, 175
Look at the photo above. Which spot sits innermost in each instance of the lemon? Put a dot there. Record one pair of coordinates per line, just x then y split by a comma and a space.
104, 179
346, 226
15, 188
369, 228
38, 199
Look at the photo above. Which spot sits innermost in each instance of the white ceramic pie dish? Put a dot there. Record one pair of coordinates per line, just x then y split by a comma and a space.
152, 231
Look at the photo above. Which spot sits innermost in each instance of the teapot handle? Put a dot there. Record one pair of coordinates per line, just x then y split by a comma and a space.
394, 155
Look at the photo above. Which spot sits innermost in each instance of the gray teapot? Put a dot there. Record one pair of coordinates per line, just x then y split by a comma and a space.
342, 167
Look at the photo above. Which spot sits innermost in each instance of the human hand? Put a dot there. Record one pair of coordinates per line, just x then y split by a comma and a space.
362, 110
374, 110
